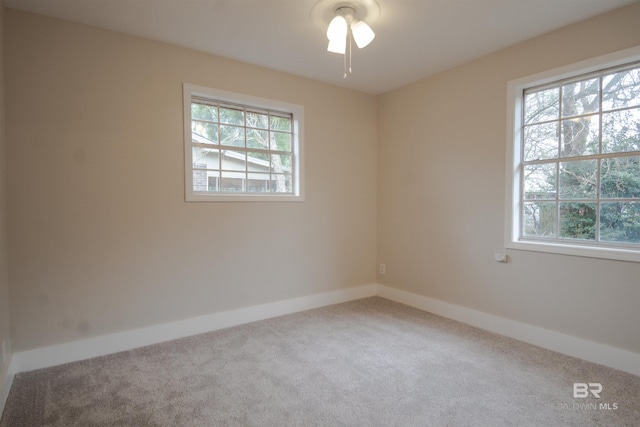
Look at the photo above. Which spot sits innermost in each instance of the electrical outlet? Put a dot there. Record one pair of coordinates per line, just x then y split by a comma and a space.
382, 269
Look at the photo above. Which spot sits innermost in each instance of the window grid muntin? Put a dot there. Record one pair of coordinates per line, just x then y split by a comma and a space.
273, 175
560, 159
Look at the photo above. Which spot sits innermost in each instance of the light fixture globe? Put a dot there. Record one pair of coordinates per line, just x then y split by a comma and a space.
338, 45
337, 28
362, 33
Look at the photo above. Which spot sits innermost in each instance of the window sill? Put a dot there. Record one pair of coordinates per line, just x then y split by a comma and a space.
618, 254
243, 197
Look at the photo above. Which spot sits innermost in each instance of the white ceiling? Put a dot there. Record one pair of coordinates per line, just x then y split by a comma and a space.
414, 38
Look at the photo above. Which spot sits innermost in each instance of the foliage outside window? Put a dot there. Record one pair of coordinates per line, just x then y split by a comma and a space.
239, 151
577, 172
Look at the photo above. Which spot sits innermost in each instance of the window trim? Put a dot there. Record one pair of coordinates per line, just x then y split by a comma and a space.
513, 186
297, 112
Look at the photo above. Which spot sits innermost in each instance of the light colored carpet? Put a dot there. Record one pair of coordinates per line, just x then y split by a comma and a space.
370, 362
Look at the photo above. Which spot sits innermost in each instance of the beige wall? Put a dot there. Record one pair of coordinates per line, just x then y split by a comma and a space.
101, 239
441, 200
4, 276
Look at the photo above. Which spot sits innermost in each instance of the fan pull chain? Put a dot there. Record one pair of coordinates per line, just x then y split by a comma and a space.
345, 58
345, 66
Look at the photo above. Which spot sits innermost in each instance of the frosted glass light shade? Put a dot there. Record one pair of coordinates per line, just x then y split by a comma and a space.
362, 33
337, 28
338, 45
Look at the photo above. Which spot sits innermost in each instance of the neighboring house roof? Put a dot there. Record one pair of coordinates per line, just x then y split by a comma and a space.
232, 153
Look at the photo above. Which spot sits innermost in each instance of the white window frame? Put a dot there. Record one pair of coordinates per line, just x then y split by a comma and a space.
515, 89
297, 112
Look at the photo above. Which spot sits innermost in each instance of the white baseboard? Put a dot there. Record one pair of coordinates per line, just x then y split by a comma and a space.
106, 344
577, 347
5, 385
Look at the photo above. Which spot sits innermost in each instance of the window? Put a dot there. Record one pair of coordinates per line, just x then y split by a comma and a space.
241, 148
574, 163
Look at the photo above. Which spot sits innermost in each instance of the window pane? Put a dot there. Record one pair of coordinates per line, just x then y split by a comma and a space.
213, 181
258, 183
620, 222
578, 221
541, 141
232, 182
281, 141
280, 163
620, 178
232, 116
539, 219
578, 179
580, 98
257, 120
234, 160
281, 184
540, 181
621, 131
580, 136
541, 106
205, 180
205, 158
258, 162
620, 90
204, 112
204, 133
258, 139
280, 123
232, 135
